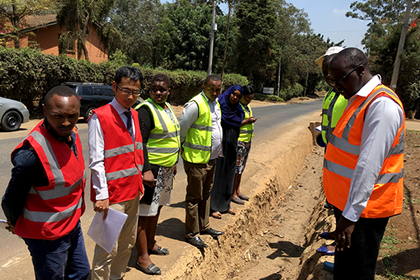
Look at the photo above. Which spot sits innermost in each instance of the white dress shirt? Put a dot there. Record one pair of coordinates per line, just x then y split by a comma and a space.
97, 150
383, 119
190, 116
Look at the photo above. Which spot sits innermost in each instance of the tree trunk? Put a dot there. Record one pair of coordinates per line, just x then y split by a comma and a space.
226, 41
83, 39
16, 27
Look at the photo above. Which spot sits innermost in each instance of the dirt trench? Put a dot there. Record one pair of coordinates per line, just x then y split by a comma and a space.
270, 237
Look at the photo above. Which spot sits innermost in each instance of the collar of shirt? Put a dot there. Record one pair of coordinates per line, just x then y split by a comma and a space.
208, 100
369, 86
117, 106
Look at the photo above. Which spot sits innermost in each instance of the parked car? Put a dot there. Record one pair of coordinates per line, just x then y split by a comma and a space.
92, 96
12, 114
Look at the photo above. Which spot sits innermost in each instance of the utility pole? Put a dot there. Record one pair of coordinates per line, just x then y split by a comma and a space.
306, 84
397, 63
213, 28
278, 78
226, 41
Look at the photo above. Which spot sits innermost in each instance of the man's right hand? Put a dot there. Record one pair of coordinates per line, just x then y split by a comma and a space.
10, 227
102, 206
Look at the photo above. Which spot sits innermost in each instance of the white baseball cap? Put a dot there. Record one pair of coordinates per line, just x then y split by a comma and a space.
330, 51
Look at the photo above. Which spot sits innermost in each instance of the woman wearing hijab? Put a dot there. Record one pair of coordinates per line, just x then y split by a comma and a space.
232, 116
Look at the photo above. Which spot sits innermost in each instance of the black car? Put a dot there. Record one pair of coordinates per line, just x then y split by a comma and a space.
92, 96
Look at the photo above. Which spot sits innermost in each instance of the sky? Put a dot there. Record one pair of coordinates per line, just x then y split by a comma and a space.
328, 17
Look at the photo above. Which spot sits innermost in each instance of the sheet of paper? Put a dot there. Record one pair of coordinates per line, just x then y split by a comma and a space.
3, 223
105, 233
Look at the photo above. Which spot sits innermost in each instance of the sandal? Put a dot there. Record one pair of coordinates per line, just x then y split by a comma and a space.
243, 197
216, 215
231, 211
329, 266
159, 251
152, 269
238, 200
324, 250
326, 235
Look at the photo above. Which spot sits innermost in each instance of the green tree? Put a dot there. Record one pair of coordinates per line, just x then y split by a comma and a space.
257, 46
225, 43
15, 11
184, 36
75, 16
382, 15
381, 41
137, 21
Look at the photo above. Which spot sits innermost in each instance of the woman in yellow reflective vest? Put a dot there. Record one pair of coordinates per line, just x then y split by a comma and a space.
246, 133
160, 129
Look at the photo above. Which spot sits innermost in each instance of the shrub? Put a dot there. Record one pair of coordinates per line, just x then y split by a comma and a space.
274, 98
27, 75
260, 96
291, 91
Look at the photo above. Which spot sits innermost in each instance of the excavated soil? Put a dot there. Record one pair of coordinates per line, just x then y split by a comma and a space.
283, 246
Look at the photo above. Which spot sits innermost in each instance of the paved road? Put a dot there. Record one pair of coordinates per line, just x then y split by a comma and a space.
271, 117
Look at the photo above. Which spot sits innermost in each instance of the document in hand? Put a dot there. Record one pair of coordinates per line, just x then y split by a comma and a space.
105, 233
3, 223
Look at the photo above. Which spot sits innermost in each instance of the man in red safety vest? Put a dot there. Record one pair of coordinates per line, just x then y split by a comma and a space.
45, 196
118, 167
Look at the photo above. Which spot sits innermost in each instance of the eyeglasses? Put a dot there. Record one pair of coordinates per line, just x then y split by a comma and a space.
341, 81
135, 93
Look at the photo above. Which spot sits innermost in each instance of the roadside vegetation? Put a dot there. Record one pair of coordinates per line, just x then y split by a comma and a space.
265, 43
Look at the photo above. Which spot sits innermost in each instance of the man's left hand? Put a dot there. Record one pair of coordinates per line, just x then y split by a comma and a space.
148, 178
343, 233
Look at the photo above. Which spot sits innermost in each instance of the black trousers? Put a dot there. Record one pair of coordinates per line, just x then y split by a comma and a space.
359, 261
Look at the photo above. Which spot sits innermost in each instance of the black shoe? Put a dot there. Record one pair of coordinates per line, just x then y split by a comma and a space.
152, 269
197, 242
212, 232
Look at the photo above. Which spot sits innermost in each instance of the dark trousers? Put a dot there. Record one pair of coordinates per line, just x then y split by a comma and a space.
200, 179
63, 258
359, 261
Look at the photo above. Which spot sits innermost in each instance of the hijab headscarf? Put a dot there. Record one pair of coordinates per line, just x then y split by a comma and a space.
232, 114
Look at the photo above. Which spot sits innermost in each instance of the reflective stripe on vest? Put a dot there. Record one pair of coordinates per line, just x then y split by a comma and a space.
246, 131
164, 140
121, 174
197, 145
51, 217
125, 172
343, 153
330, 127
201, 127
325, 105
123, 150
333, 107
59, 189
